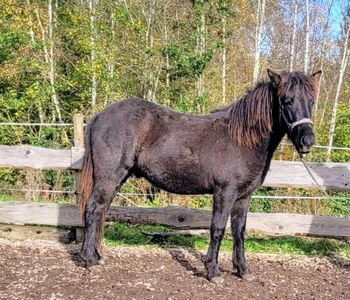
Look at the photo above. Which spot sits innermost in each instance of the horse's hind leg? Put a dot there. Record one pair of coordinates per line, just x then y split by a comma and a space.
222, 205
238, 225
95, 212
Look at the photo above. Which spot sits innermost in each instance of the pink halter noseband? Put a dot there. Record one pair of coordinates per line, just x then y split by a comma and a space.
302, 121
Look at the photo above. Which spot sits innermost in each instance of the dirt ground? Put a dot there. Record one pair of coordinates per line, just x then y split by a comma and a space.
49, 270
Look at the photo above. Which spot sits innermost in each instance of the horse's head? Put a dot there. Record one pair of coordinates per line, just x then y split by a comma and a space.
296, 94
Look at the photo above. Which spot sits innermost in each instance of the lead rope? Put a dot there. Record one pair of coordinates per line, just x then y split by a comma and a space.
321, 188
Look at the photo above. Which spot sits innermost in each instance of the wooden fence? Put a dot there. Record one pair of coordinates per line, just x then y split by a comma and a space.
331, 176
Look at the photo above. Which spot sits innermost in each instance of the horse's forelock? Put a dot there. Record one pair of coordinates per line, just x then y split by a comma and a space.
297, 81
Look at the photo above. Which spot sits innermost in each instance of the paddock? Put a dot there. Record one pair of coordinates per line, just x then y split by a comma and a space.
33, 265
288, 174
49, 270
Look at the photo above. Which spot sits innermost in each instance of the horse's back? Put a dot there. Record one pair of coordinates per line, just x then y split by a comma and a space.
178, 152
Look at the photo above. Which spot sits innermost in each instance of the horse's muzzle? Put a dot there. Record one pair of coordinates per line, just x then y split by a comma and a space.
306, 143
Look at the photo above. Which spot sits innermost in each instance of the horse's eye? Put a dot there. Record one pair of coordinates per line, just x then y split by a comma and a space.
288, 101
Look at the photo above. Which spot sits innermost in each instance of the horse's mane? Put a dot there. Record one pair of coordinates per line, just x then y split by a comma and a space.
250, 119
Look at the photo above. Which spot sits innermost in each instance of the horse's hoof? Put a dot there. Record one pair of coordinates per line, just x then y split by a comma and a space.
218, 280
89, 263
247, 277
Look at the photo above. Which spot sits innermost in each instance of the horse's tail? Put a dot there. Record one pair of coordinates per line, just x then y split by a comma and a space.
86, 176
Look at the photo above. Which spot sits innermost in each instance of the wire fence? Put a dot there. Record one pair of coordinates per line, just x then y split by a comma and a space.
71, 124
286, 197
36, 124
67, 192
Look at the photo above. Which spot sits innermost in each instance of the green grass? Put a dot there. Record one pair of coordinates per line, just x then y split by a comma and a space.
63, 200
6, 198
127, 235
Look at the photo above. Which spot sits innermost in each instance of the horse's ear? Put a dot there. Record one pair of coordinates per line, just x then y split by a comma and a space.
316, 77
274, 77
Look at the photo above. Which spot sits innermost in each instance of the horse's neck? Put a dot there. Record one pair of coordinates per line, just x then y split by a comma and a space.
274, 139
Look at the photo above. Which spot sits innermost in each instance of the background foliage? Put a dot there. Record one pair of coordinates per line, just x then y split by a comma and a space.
62, 57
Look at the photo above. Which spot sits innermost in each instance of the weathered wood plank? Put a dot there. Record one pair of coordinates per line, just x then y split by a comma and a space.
26, 213
332, 176
296, 224
26, 156
15, 232
174, 217
78, 121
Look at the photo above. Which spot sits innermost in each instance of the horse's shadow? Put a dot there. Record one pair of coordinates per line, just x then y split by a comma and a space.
181, 256
72, 247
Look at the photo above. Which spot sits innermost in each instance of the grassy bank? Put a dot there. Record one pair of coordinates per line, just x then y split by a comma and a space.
128, 235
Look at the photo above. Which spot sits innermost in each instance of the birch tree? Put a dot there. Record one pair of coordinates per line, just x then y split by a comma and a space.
307, 37
52, 63
93, 34
149, 15
322, 54
30, 21
32, 40
260, 14
48, 47
201, 43
223, 58
292, 50
343, 64
111, 61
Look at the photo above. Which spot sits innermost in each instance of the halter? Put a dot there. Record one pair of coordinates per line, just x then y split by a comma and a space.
291, 126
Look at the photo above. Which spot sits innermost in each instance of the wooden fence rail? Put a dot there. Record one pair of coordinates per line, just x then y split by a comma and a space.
332, 176
24, 213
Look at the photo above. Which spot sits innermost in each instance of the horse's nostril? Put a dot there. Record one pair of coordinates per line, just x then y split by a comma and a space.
307, 141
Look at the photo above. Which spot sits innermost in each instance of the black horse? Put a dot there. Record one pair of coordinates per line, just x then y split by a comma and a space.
226, 153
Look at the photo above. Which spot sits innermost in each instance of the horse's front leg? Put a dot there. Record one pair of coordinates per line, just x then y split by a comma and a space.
238, 225
222, 205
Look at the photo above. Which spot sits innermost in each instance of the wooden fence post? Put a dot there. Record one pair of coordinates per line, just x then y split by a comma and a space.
78, 123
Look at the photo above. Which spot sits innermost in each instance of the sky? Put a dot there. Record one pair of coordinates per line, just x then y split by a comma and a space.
336, 15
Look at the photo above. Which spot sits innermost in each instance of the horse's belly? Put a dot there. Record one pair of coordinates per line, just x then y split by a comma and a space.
180, 176
184, 184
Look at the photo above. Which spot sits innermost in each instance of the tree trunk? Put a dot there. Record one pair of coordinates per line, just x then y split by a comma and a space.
43, 37
110, 63
258, 33
324, 31
30, 21
345, 57
46, 58
223, 66
149, 75
52, 63
167, 63
93, 52
307, 38
292, 51
32, 39
201, 47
